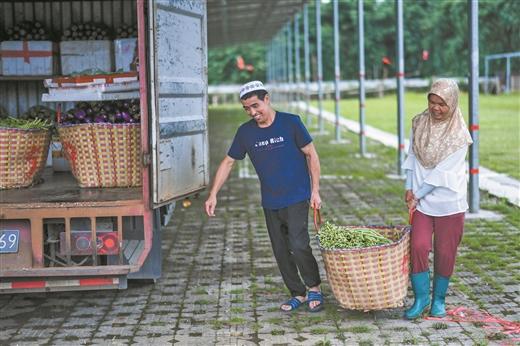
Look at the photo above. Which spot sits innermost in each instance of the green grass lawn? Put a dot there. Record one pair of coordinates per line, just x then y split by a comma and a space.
499, 123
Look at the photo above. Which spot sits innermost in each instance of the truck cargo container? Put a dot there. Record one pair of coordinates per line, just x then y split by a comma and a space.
47, 231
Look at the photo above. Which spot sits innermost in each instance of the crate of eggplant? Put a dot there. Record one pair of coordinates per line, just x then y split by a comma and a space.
102, 142
367, 266
24, 144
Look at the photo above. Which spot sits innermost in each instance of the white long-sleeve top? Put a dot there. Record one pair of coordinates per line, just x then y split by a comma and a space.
449, 179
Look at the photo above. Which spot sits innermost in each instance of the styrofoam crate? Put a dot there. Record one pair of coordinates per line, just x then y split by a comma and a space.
80, 56
28, 58
124, 50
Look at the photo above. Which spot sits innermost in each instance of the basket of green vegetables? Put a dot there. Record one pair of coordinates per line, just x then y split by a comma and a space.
24, 144
367, 266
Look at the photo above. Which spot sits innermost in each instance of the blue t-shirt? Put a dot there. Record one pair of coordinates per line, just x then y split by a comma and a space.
277, 158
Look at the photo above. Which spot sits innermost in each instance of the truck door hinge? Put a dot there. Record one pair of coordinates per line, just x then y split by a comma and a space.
147, 159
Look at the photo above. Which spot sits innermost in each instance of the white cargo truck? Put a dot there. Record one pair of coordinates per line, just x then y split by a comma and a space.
56, 235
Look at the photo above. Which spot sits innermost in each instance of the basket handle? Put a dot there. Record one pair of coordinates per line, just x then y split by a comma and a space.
58, 113
317, 219
410, 215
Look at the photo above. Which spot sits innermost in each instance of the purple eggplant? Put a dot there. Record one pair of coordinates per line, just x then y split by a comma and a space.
126, 117
100, 119
80, 114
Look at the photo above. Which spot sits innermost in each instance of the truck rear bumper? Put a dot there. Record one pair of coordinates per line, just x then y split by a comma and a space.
26, 285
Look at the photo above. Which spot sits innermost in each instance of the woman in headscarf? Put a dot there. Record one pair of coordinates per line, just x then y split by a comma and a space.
436, 187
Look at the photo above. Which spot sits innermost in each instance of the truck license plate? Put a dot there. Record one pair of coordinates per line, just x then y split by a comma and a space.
9, 240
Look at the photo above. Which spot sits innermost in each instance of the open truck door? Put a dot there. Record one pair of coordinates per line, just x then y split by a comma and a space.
178, 89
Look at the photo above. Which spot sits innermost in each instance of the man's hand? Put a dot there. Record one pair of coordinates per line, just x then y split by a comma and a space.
210, 205
220, 177
313, 162
315, 200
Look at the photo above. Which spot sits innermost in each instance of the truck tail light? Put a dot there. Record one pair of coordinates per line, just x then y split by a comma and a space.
81, 244
109, 244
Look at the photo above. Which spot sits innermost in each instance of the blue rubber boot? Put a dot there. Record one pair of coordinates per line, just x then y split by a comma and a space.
421, 290
440, 286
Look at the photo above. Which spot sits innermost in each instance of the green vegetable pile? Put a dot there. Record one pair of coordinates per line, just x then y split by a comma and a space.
11, 122
28, 31
39, 112
333, 237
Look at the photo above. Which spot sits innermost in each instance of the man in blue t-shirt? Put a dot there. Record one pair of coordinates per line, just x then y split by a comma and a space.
288, 167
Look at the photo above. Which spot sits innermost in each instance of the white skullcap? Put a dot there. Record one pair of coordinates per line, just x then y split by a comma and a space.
251, 86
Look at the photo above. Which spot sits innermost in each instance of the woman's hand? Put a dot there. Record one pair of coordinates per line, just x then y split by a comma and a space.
408, 195
412, 204
411, 201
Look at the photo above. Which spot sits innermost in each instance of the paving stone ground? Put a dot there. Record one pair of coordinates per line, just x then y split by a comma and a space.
221, 286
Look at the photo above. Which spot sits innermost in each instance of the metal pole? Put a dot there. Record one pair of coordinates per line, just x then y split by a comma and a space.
268, 65
275, 58
400, 87
474, 193
297, 56
508, 75
486, 73
290, 75
320, 67
336, 69
307, 62
283, 44
361, 30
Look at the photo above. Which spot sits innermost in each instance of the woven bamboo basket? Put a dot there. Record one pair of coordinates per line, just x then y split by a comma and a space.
102, 154
23, 153
370, 278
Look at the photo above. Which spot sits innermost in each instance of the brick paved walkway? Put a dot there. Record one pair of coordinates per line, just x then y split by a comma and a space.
221, 286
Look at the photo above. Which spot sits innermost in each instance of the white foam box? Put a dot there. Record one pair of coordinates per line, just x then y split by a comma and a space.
28, 58
81, 56
124, 51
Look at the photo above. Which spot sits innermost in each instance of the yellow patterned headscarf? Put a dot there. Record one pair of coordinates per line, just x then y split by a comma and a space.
433, 141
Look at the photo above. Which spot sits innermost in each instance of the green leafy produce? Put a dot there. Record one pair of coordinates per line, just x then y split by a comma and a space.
11, 122
86, 31
27, 31
39, 112
126, 31
332, 237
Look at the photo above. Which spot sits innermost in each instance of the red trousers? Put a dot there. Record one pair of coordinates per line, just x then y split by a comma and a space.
447, 234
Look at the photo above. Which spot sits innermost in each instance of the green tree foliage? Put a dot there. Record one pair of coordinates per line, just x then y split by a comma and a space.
223, 63
438, 26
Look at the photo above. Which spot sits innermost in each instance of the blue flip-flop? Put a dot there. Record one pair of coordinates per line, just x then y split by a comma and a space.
294, 303
313, 296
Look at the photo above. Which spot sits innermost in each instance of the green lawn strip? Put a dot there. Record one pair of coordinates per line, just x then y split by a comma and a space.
499, 118
492, 246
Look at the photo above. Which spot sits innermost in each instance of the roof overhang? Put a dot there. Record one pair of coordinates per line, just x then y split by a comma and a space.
240, 21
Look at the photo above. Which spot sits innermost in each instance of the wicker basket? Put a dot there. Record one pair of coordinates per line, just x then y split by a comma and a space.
371, 278
103, 155
23, 153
